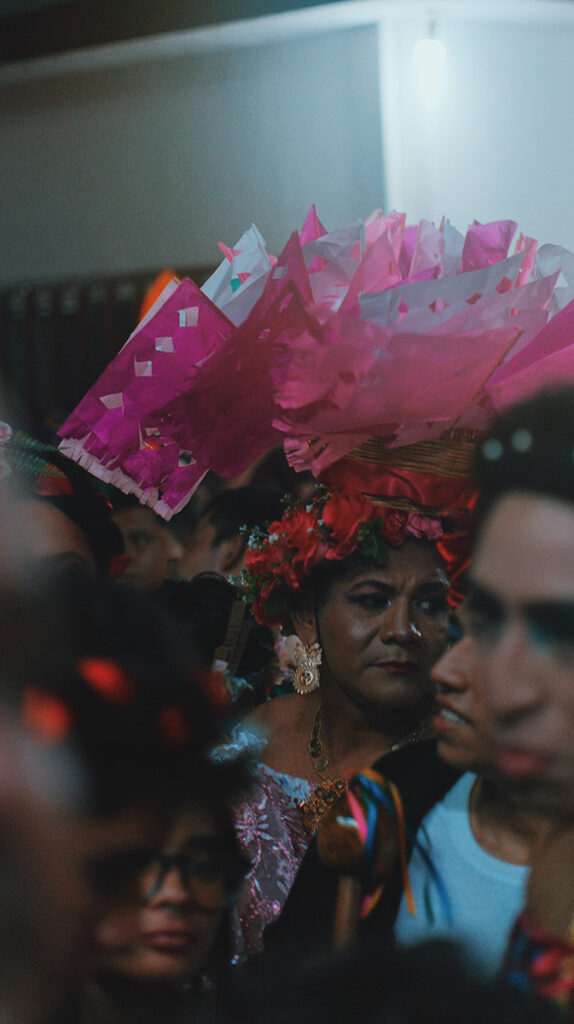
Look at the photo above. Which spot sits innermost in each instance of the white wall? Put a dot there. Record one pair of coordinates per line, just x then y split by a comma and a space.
134, 168
152, 165
499, 143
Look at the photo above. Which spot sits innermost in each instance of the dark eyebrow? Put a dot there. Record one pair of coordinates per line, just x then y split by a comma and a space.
427, 586
378, 584
558, 615
65, 557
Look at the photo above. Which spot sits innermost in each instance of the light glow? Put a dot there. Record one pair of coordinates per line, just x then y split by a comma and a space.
430, 56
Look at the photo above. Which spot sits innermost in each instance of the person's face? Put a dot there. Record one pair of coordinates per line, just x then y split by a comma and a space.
166, 928
198, 551
382, 629
522, 614
42, 906
45, 536
461, 742
150, 546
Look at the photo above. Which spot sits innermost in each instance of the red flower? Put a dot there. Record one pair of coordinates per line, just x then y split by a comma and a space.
343, 514
394, 526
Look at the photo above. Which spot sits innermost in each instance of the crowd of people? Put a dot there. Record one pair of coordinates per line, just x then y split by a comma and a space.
302, 751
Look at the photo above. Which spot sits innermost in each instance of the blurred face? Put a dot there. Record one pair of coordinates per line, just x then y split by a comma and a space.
150, 547
382, 629
198, 552
522, 615
166, 928
457, 674
42, 899
44, 535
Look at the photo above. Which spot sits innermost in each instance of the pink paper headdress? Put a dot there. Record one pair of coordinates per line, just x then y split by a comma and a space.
408, 334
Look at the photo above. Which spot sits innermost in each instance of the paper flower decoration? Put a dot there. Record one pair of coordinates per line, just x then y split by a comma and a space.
378, 329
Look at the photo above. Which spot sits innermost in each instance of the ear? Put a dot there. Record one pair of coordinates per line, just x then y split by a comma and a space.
303, 620
231, 554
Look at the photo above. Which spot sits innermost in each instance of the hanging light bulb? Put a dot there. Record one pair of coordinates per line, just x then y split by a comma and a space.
430, 54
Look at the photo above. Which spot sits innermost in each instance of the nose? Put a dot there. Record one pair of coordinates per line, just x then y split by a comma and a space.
398, 625
454, 668
172, 890
512, 686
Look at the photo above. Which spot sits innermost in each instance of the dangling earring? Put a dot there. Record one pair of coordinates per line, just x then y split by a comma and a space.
307, 661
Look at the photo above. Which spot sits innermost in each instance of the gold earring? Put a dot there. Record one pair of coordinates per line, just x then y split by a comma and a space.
307, 661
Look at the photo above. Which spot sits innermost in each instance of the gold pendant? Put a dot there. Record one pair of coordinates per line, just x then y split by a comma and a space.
318, 803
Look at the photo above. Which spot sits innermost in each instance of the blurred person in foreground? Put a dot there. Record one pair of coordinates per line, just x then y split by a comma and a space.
480, 839
105, 696
425, 985
522, 615
165, 937
54, 517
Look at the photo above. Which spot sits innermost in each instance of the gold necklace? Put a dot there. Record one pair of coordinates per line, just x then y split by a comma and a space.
324, 795
330, 789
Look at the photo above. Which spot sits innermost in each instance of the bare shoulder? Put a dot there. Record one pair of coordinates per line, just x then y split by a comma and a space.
275, 713
285, 723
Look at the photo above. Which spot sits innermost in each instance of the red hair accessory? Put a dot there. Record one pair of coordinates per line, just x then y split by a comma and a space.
108, 678
53, 484
47, 716
454, 549
331, 527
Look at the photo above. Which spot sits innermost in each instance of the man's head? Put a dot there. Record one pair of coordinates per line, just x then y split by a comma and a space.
521, 602
151, 544
218, 543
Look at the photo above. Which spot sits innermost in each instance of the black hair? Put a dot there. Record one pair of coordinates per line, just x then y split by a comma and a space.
200, 609
121, 501
151, 741
377, 985
251, 507
35, 465
530, 447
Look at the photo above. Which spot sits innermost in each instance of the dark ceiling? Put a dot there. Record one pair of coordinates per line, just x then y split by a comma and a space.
11, 7
34, 28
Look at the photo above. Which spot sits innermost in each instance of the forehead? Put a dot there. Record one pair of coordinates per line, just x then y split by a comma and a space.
194, 821
45, 532
414, 564
525, 551
203, 532
137, 519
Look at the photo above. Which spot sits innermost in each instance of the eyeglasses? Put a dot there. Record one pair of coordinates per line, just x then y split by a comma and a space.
212, 876
212, 872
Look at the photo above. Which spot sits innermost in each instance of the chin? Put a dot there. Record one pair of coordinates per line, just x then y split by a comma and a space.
457, 756
156, 970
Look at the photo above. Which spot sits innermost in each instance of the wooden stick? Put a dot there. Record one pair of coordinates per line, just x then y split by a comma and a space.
347, 912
